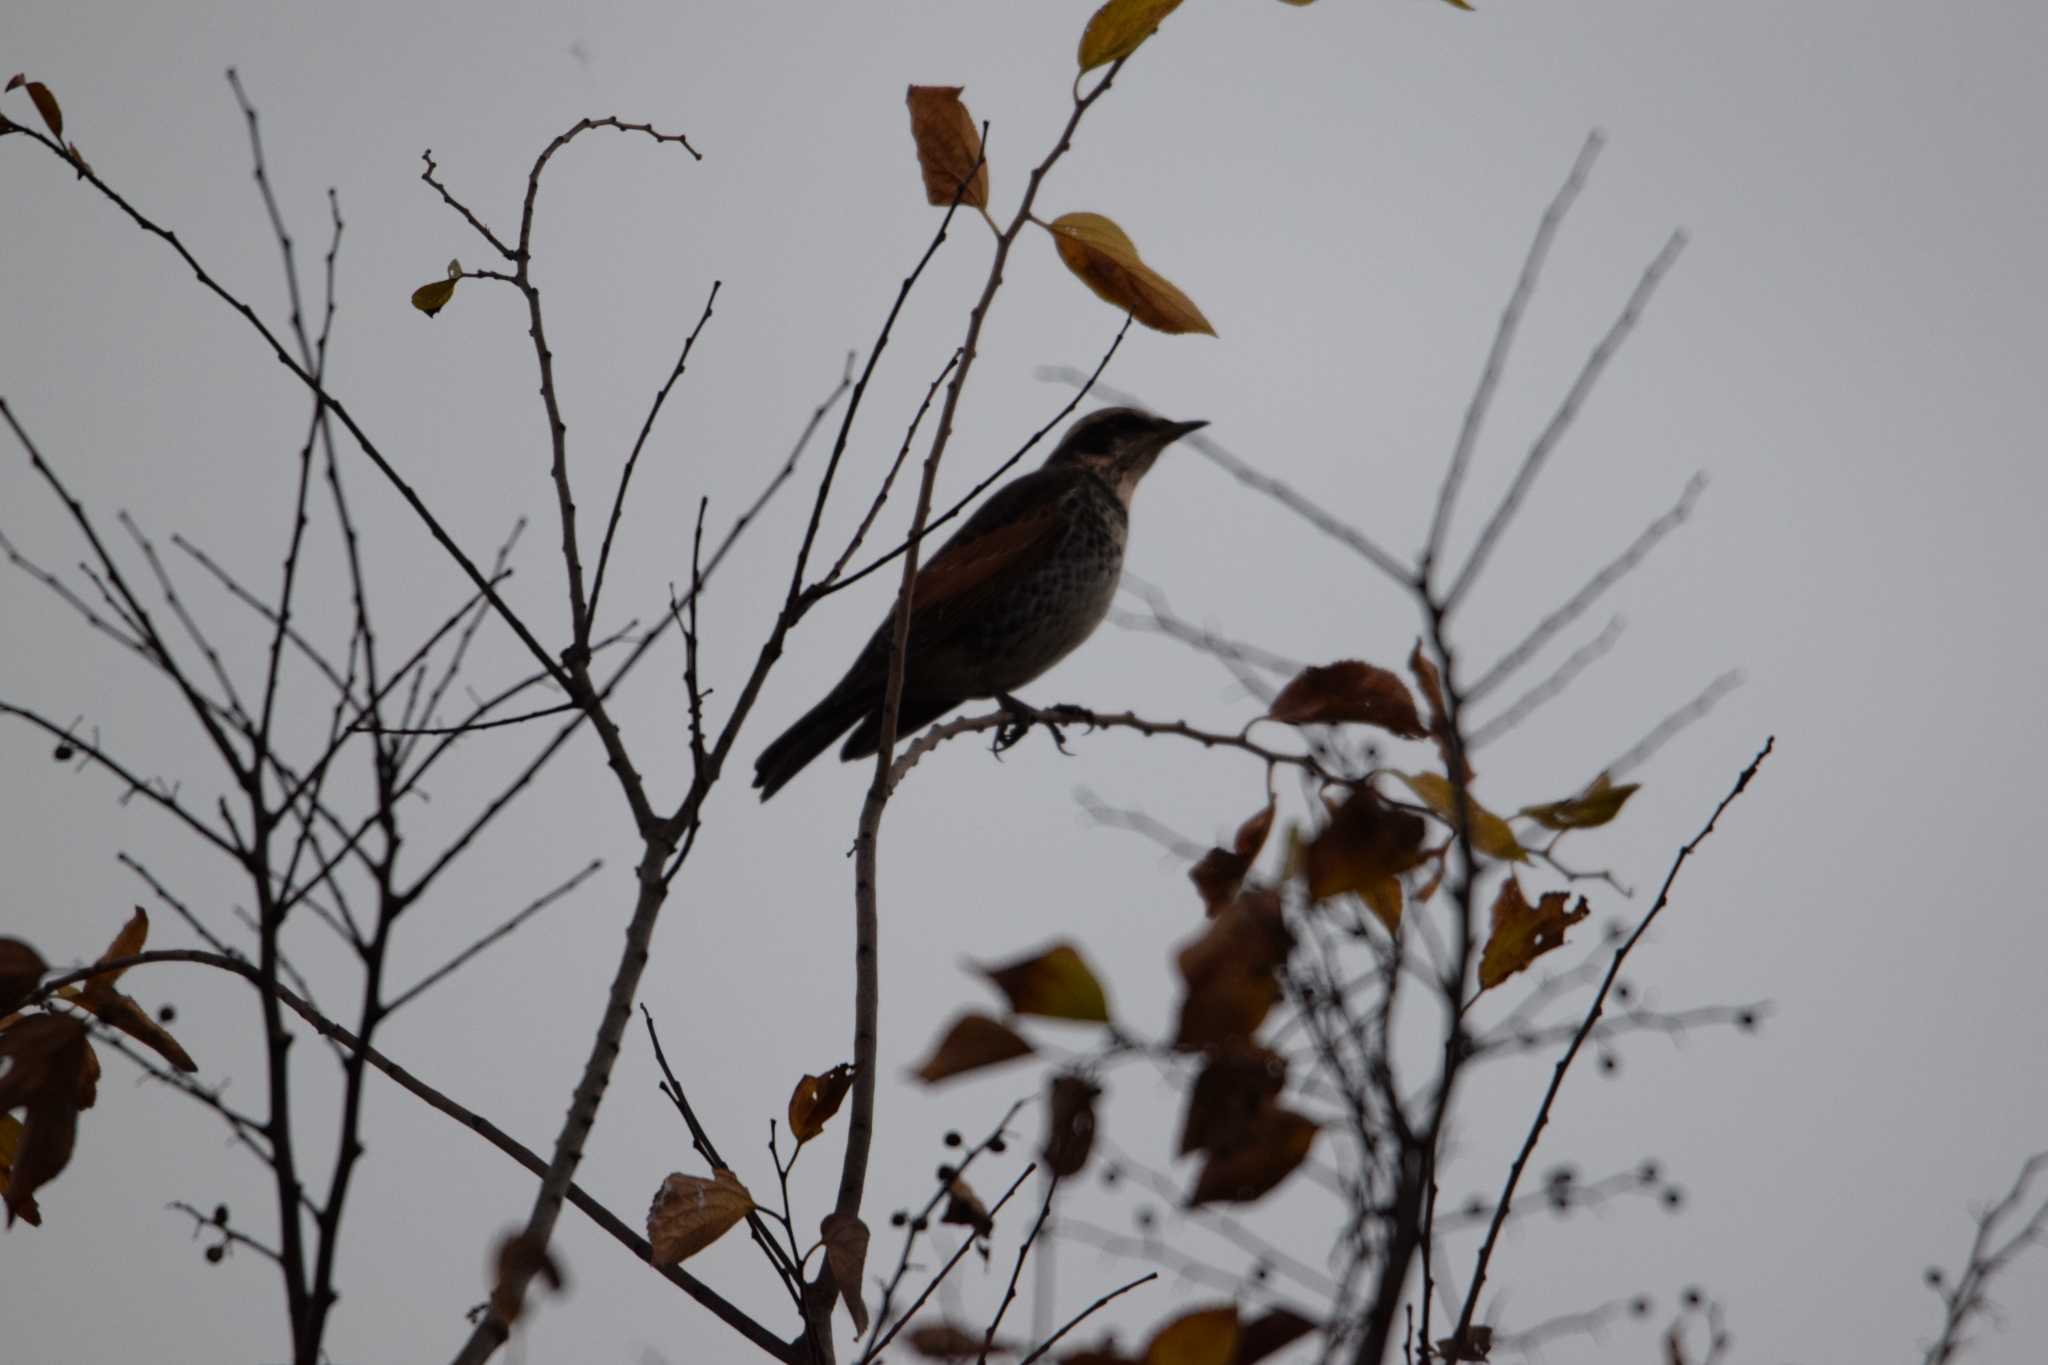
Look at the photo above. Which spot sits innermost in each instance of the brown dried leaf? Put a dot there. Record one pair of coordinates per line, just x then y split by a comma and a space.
816, 1099
123, 1013
948, 146
1491, 835
1097, 251
1599, 803
1432, 684
1220, 873
1120, 28
34, 1058
1226, 1009
1207, 1336
1070, 1123
1352, 691
134, 934
963, 1206
974, 1041
46, 105
1522, 932
10, 1148
1054, 984
1364, 849
1272, 1331
1277, 1143
21, 967
1477, 1343
950, 1341
689, 1213
16, 81
1252, 933
1232, 1090
846, 1256
49, 1128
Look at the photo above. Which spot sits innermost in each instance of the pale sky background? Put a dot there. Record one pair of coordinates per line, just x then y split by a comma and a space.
1849, 350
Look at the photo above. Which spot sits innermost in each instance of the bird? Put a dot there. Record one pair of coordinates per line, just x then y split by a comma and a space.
1017, 588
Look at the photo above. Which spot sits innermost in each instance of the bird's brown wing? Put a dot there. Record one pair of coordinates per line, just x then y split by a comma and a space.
1009, 534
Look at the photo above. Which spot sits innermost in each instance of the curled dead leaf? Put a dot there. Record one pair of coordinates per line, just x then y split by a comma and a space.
1523, 932
816, 1099
846, 1254
1097, 251
1069, 1123
1364, 849
690, 1212
950, 1341
1349, 691
46, 105
1120, 28
1219, 874
521, 1259
963, 1206
973, 1041
1054, 984
948, 145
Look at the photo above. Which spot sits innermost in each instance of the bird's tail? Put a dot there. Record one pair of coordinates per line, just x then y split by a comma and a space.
810, 736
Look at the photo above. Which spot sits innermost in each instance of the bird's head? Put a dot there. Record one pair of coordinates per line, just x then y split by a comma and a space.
1118, 445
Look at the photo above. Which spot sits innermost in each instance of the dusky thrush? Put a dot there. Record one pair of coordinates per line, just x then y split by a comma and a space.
1028, 577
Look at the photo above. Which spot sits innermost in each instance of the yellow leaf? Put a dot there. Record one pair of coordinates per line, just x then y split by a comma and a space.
1097, 250
689, 1213
1119, 28
432, 298
1491, 835
1523, 932
1596, 805
1207, 1336
1056, 984
815, 1100
948, 146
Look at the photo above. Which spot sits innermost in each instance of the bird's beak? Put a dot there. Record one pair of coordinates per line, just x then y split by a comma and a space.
1175, 430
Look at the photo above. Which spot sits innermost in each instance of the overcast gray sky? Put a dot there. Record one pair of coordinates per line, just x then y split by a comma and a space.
1849, 350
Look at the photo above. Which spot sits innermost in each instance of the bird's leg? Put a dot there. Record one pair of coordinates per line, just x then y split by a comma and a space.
1023, 717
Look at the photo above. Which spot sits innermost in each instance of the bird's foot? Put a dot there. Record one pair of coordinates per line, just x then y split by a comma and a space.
1023, 717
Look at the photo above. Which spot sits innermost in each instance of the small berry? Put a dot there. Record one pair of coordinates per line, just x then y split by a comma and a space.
952, 1139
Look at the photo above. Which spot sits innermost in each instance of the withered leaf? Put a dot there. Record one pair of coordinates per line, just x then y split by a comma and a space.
965, 1207
1069, 1123
1097, 251
1349, 690
21, 967
46, 105
1522, 932
950, 1341
1054, 984
1220, 873
1229, 969
1599, 803
846, 1255
120, 1011
689, 1213
1364, 849
1206, 1336
1491, 835
432, 298
127, 943
10, 1148
1277, 1143
1272, 1331
520, 1260
816, 1099
948, 146
1432, 684
1235, 1086
1120, 28
49, 1127
1225, 1008
35, 1057
972, 1042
